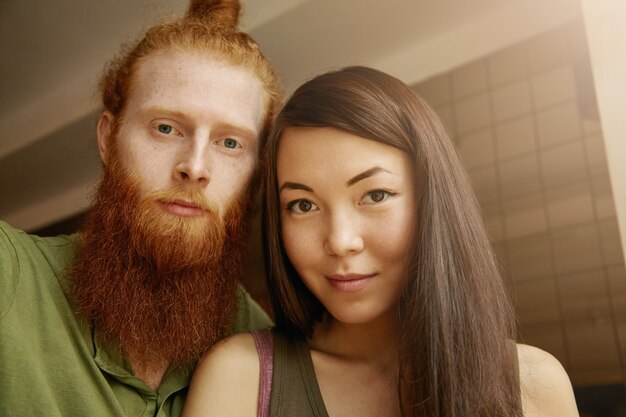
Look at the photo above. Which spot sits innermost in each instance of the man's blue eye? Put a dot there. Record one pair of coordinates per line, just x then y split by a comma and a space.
166, 129
230, 143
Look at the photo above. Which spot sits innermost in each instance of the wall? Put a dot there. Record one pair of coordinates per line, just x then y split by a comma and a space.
526, 123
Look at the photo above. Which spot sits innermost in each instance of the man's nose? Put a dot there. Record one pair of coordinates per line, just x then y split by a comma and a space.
343, 235
193, 164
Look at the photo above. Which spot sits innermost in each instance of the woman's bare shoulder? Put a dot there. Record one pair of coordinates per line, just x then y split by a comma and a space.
226, 380
546, 388
238, 347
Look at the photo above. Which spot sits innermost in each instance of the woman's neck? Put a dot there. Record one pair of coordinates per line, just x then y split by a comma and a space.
374, 341
356, 366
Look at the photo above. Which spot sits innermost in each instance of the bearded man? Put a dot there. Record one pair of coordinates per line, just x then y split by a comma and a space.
112, 322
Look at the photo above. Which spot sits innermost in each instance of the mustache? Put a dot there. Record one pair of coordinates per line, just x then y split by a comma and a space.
190, 195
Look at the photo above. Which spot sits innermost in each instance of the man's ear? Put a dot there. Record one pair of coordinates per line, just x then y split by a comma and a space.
105, 131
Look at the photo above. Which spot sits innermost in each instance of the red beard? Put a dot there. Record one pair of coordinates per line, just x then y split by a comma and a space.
162, 287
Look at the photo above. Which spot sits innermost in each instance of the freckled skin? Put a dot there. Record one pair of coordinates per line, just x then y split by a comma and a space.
204, 102
346, 229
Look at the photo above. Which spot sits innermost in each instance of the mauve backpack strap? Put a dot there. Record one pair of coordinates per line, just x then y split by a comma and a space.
265, 349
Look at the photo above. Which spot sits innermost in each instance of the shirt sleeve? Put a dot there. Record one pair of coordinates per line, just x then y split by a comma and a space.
9, 269
249, 314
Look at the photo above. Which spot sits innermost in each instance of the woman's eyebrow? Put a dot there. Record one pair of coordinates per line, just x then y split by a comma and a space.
294, 186
365, 174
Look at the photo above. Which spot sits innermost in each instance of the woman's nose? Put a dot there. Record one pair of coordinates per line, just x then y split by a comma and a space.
343, 236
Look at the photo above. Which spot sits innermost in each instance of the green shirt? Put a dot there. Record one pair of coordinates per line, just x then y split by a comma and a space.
51, 362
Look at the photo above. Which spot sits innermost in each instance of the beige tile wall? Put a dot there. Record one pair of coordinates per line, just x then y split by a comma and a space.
537, 160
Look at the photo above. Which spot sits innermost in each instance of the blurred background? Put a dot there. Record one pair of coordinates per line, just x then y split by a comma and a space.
529, 90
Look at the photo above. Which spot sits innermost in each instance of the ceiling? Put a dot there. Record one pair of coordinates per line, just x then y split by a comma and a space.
55, 51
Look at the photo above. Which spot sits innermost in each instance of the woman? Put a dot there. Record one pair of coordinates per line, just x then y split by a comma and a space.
386, 294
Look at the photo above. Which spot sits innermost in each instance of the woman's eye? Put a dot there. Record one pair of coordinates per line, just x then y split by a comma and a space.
231, 143
376, 196
301, 206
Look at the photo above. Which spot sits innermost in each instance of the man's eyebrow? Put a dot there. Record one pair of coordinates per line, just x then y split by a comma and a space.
294, 186
163, 110
365, 174
240, 129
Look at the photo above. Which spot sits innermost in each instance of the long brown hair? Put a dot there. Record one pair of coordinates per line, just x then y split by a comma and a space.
456, 350
210, 26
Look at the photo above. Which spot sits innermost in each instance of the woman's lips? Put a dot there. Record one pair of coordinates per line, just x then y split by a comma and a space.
350, 282
182, 208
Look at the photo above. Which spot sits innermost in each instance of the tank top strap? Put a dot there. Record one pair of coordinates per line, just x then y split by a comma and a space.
265, 350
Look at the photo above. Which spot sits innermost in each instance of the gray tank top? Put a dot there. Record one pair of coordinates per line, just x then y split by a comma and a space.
294, 389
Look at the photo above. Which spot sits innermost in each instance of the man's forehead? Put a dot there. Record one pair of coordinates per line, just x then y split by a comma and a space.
190, 81
196, 70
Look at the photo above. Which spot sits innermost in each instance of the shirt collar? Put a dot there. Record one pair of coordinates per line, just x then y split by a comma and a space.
111, 360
